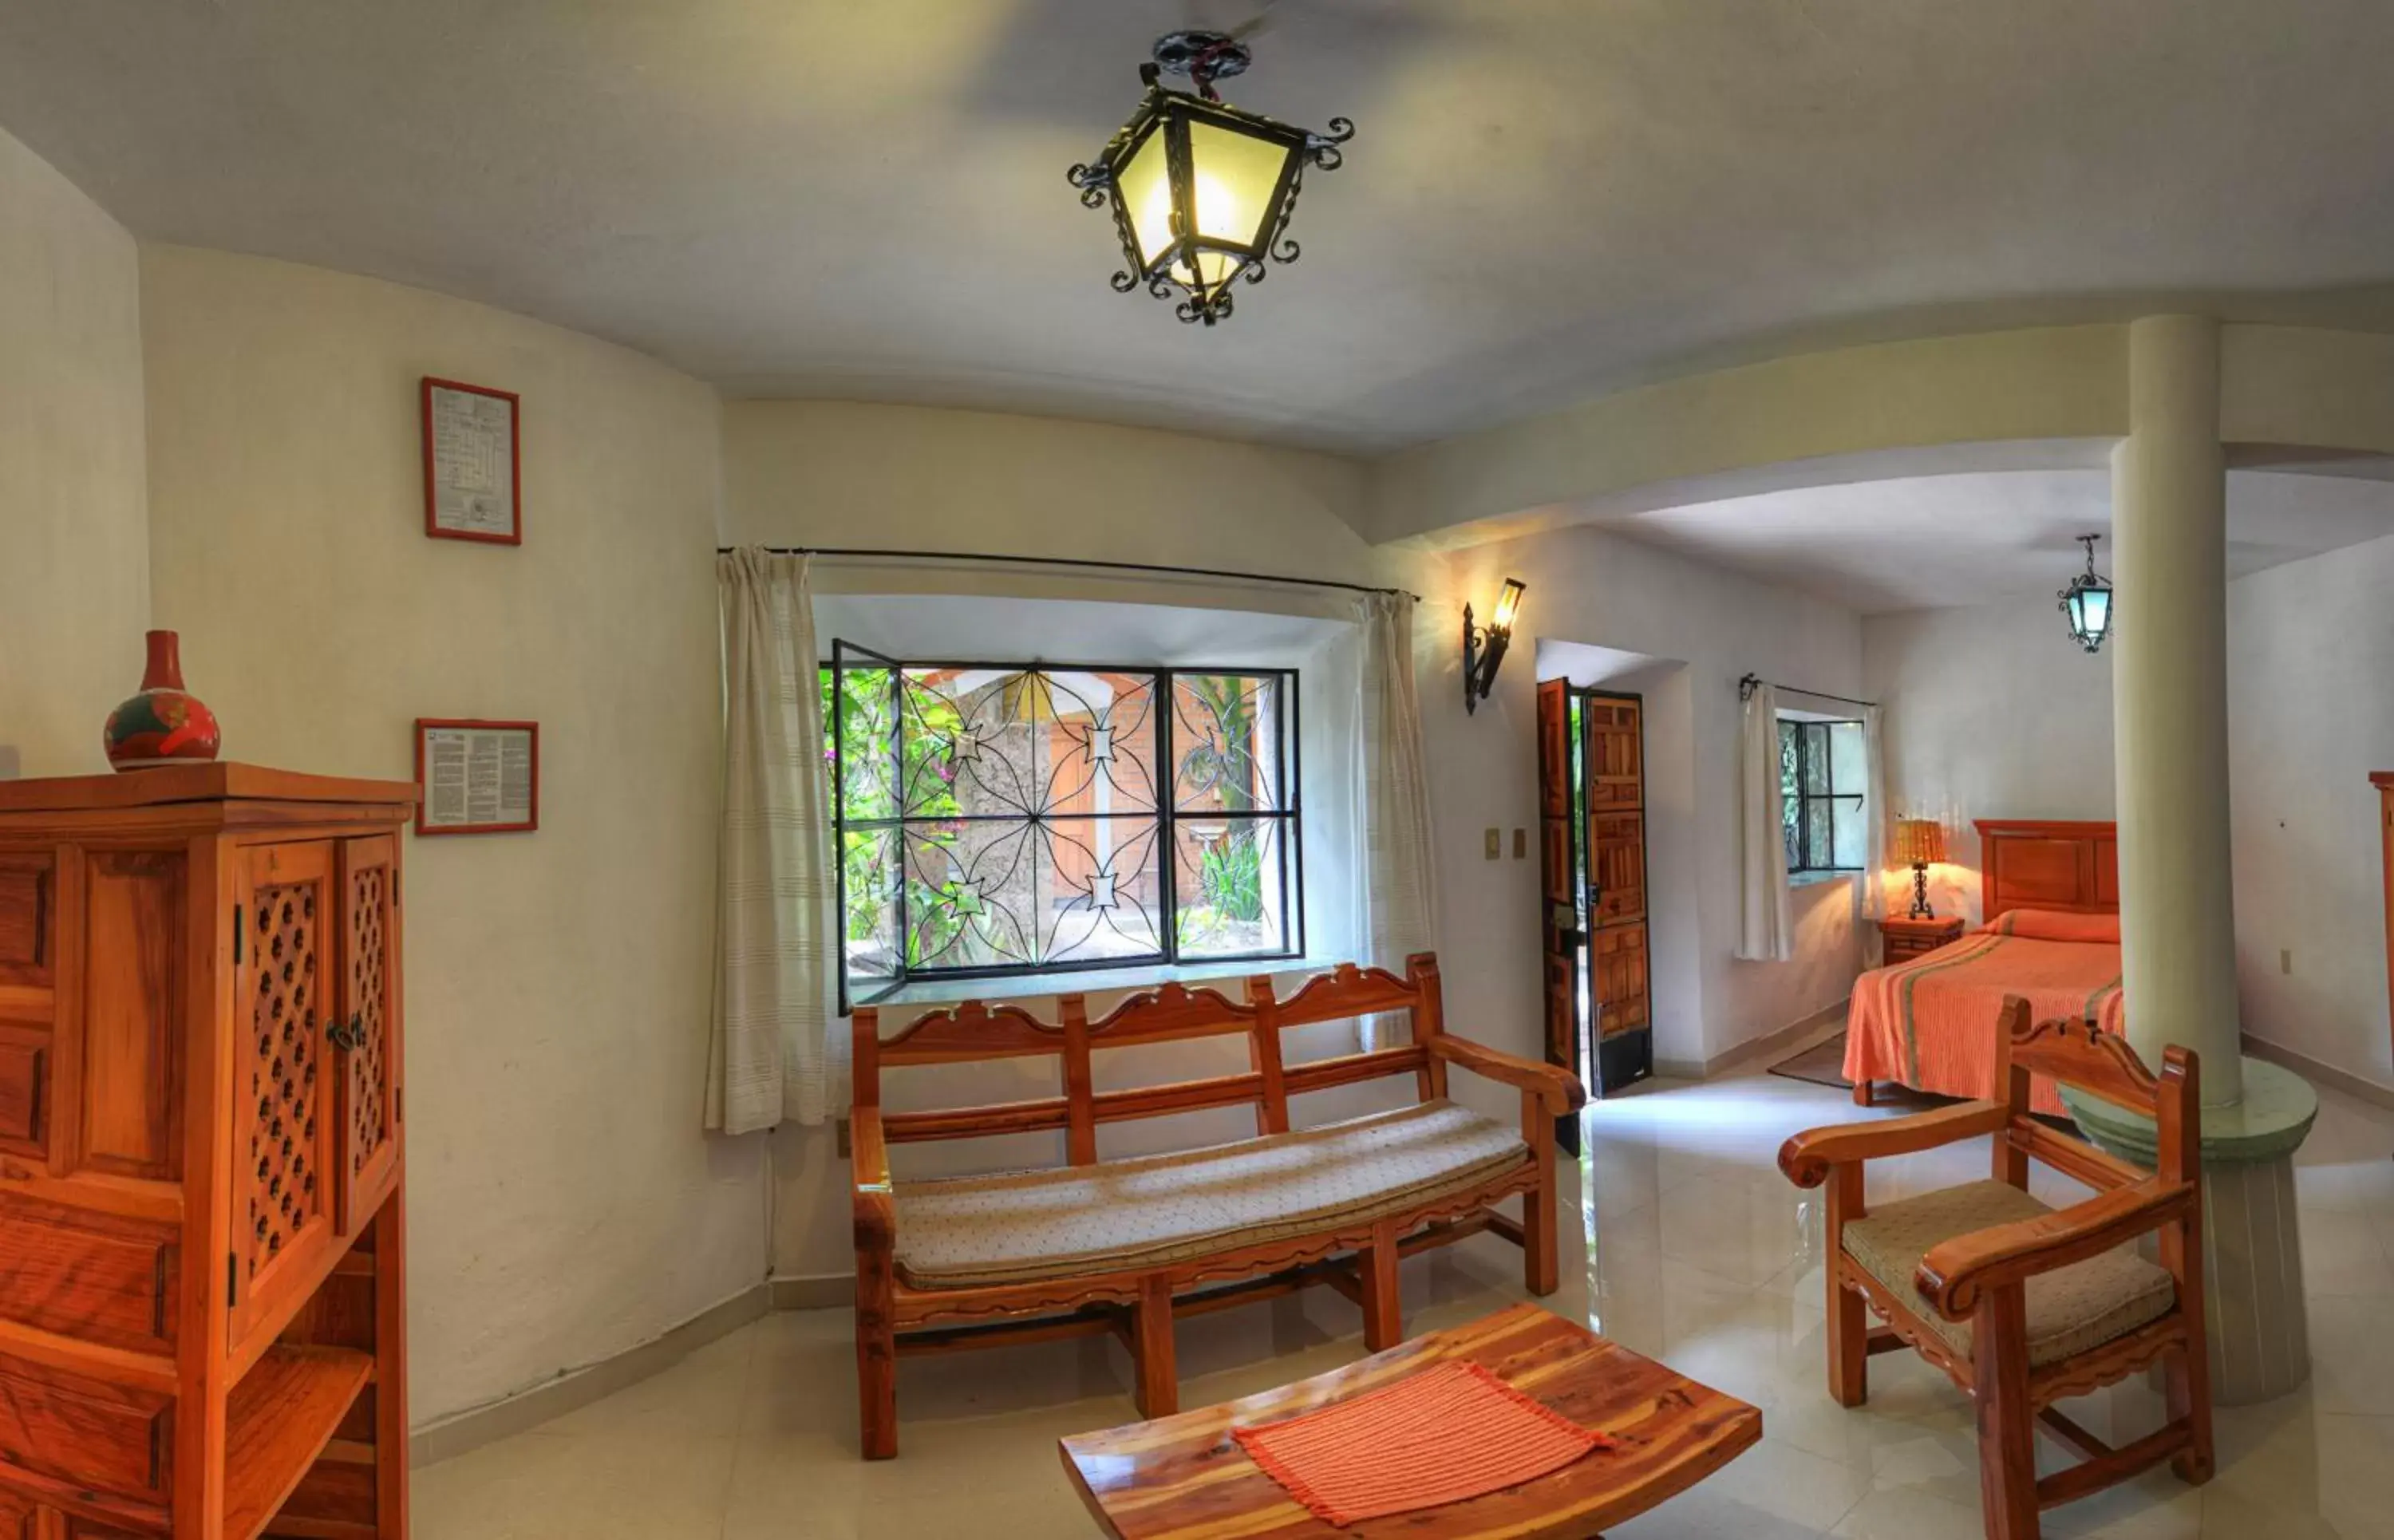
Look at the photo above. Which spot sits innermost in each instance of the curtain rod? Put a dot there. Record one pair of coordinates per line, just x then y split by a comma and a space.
1745, 687
1075, 561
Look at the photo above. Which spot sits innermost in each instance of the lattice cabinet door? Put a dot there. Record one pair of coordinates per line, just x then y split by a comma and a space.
283, 1098
365, 1031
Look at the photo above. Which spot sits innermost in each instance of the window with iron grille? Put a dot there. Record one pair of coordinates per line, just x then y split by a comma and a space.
999, 820
1820, 780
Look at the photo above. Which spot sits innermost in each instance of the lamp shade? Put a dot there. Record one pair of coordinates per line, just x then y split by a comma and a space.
1204, 188
1508, 604
1919, 841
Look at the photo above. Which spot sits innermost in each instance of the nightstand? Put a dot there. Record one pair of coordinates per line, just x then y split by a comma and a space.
1904, 940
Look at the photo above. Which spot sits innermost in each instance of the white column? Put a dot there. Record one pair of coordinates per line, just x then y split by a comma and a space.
2169, 500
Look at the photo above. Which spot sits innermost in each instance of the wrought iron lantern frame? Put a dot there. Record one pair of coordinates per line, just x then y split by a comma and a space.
1177, 270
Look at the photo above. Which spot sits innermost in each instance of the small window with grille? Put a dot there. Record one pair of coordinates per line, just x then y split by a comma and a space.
1820, 780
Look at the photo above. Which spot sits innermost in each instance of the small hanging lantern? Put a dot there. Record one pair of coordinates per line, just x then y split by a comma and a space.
2088, 603
1201, 192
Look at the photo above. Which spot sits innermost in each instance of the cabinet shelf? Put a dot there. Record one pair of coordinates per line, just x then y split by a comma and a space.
279, 1418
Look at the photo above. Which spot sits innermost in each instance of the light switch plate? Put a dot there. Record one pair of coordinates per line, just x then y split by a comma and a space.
1520, 844
1496, 843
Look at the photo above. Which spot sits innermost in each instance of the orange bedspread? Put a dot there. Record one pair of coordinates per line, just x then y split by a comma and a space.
1930, 1022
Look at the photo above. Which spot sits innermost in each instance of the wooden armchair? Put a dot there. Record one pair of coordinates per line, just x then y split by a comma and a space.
2019, 1304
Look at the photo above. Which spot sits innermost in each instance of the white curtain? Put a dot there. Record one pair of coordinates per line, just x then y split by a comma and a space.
1873, 813
1398, 883
775, 940
1767, 928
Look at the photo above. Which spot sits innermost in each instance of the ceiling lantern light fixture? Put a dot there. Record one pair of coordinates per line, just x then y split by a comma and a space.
2088, 603
1201, 192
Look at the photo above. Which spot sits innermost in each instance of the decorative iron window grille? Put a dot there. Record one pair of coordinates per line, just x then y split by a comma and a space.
1006, 820
1820, 778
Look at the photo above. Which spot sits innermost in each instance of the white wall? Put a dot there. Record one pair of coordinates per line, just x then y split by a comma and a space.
563, 1202
1597, 589
1992, 712
2310, 715
930, 479
75, 564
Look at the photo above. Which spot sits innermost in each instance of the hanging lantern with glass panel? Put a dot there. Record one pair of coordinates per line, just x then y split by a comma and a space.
2088, 603
1201, 192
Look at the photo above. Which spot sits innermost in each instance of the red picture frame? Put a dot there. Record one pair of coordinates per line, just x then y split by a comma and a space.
425, 801
513, 535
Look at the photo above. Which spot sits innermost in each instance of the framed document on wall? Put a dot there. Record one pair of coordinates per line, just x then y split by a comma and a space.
473, 470
478, 778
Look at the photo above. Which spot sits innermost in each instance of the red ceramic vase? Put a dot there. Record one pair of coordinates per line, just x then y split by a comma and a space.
164, 724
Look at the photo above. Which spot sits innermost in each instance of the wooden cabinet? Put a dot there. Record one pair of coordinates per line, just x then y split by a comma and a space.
1903, 939
202, 1237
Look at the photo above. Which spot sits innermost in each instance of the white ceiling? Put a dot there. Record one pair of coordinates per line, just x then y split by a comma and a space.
1930, 541
1544, 198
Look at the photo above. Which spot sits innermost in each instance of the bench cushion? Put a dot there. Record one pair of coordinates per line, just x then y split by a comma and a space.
2069, 1309
1159, 1210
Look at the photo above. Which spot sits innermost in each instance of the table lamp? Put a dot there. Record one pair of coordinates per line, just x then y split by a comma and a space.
1920, 841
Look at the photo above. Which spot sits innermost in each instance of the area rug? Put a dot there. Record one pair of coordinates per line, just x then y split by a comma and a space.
1448, 1433
1821, 1064
1824, 1064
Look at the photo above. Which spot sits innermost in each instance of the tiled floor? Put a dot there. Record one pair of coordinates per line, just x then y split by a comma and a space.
1682, 1240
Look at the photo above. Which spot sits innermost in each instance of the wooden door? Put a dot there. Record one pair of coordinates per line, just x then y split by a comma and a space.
365, 1033
1559, 936
1614, 756
283, 1112
1616, 753
1617, 960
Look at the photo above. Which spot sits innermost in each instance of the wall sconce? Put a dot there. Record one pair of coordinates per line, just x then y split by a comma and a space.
1920, 841
1484, 651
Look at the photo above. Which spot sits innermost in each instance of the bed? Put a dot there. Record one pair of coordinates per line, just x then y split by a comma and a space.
2051, 934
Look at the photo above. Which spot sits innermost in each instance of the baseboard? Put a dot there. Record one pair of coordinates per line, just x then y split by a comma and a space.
827, 1292
577, 1388
1770, 1048
2360, 1087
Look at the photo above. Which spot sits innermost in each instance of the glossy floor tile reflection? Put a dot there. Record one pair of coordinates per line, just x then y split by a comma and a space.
1682, 1240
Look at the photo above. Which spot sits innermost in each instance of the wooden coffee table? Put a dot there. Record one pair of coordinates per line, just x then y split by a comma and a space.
1182, 1477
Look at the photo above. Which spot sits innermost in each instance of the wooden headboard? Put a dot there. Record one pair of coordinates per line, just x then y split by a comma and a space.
2031, 863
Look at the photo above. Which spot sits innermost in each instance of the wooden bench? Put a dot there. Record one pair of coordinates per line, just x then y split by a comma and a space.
1127, 1245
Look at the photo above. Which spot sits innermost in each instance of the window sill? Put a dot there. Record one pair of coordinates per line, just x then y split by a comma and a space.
1096, 981
1810, 879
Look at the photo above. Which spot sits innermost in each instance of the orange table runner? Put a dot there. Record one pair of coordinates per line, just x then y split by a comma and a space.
1448, 1433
